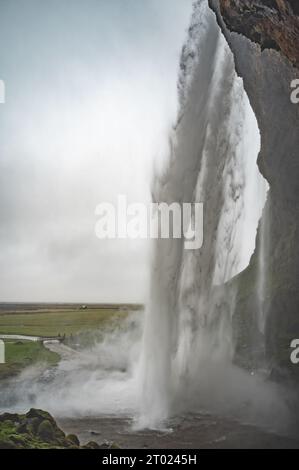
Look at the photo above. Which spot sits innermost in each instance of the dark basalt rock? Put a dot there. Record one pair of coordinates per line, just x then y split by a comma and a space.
273, 24
36, 429
74, 439
264, 36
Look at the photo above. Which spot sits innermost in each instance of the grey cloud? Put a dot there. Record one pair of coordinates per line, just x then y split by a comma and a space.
90, 96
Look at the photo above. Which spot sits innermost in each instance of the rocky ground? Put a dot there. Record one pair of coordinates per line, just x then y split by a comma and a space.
37, 429
192, 431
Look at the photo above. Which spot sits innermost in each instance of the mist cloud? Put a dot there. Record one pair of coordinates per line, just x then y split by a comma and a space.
90, 98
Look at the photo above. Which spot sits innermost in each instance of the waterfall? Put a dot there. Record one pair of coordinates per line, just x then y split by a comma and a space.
261, 277
213, 151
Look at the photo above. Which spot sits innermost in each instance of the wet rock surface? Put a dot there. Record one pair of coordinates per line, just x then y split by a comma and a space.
264, 37
37, 429
273, 24
192, 431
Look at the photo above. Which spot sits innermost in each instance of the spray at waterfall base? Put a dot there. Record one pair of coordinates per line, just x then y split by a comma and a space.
185, 361
188, 356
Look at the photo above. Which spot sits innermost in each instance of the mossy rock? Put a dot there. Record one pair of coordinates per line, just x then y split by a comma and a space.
39, 414
22, 428
10, 417
7, 444
91, 445
18, 439
73, 439
37, 429
32, 425
45, 430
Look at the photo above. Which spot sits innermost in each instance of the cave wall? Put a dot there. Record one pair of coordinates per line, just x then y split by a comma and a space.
264, 37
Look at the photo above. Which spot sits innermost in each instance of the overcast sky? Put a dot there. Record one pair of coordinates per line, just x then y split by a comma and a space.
90, 98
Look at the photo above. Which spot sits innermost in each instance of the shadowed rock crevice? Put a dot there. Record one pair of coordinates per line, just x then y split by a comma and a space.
267, 75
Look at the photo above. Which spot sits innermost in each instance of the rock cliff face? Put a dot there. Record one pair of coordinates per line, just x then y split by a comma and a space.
264, 37
273, 24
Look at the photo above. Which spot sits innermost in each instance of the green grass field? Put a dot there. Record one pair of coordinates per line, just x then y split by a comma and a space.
55, 322
49, 322
20, 354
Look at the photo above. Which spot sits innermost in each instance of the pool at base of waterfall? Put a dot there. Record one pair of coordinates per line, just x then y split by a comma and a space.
192, 431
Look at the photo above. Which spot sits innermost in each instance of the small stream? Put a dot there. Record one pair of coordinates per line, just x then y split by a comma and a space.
22, 337
54, 345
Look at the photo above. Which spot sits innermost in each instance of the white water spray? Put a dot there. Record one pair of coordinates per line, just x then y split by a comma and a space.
261, 278
188, 346
186, 362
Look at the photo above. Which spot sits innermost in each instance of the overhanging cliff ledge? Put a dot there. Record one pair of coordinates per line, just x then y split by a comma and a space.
273, 24
264, 37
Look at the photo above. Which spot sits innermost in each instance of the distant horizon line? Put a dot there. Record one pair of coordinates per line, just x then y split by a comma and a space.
45, 302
